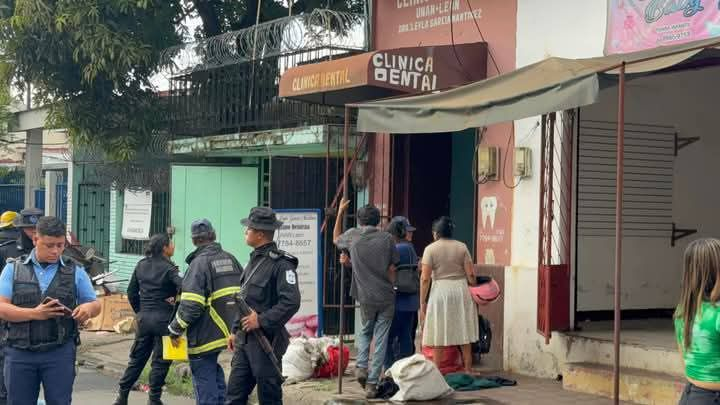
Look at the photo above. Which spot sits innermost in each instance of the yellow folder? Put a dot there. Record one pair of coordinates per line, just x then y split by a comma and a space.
171, 352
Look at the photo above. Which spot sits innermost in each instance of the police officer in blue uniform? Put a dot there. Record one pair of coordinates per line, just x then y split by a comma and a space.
269, 285
43, 299
21, 244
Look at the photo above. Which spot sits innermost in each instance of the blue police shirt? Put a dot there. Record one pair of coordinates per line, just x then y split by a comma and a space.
85, 291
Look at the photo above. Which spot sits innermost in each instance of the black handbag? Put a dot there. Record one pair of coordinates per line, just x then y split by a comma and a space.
482, 346
407, 279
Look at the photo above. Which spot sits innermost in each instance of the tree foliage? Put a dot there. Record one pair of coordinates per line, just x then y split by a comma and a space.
219, 16
91, 61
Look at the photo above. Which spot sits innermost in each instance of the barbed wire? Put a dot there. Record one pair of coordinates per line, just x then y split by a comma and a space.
150, 170
318, 29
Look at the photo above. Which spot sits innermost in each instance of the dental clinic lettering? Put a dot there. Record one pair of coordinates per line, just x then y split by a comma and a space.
324, 80
657, 9
415, 72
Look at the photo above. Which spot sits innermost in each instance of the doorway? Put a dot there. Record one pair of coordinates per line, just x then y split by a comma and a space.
431, 177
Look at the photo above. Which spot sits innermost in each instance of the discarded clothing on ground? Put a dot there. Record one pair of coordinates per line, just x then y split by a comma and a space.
329, 368
312, 357
466, 382
418, 379
387, 388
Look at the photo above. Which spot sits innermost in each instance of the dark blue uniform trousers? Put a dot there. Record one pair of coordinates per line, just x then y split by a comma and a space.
208, 379
26, 370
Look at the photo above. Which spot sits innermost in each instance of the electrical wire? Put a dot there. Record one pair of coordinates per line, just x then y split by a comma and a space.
490, 52
452, 41
511, 139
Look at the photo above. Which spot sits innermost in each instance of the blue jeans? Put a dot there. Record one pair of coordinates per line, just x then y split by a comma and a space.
375, 324
208, 379
401, 340
26, 370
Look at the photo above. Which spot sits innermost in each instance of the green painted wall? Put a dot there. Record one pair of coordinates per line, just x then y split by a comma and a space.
123, 263
462, 196
224, 195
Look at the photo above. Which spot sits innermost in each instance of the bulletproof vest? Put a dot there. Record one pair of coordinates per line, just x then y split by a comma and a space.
51, 333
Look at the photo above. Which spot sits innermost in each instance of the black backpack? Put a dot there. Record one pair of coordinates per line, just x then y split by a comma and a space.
407, 279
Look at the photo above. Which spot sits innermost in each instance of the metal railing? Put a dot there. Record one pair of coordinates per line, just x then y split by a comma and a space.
245, 97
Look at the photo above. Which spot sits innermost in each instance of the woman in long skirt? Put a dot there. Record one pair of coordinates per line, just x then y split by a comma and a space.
449, 313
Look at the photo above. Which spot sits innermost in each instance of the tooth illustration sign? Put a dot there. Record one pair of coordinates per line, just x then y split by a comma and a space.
488, 208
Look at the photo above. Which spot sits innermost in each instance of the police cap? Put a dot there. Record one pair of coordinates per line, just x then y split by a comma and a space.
201, 228
262, 219
28, 218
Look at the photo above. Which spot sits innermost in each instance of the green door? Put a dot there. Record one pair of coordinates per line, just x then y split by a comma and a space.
224, 195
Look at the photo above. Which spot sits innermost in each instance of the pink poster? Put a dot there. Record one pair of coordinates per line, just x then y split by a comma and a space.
634, 25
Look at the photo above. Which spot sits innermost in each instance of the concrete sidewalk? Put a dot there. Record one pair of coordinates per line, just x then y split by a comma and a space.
108, 353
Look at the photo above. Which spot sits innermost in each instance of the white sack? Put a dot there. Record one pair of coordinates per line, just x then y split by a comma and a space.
418, 380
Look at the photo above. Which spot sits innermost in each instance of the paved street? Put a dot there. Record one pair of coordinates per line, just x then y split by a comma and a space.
93, 388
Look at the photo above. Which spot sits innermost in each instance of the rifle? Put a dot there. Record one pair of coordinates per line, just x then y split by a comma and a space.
245, 310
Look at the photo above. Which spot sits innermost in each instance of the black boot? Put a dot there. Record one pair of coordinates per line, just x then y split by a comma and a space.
154, 398
122, 398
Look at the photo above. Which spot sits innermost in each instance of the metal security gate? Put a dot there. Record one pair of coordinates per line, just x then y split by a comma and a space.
93, 217
555, 230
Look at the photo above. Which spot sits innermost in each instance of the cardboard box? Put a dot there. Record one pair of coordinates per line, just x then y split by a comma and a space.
114, 308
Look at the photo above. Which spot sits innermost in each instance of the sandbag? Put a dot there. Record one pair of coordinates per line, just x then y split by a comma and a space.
451, 359
418, 380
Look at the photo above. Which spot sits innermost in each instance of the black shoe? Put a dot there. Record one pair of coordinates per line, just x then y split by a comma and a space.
154, 401
371, 391
362, 375
122, 398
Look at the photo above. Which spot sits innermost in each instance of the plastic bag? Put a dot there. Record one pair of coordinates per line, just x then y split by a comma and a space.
418, 380
330, 367
451, 359
297, 364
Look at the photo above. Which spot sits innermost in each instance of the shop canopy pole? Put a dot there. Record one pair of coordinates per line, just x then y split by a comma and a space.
346, 194
620, 180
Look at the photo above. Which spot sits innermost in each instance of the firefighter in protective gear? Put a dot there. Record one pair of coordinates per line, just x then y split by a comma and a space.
270, 288
205, 312
8, 232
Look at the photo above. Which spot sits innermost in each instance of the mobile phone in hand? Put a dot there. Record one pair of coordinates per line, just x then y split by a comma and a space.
65, 309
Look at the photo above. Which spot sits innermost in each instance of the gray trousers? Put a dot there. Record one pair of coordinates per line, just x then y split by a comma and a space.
693, 395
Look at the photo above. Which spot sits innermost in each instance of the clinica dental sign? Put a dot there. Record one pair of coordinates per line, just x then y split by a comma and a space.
412, 72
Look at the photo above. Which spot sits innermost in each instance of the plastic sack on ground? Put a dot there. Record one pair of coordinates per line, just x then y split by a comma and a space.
418, 380
451, 359
297, 362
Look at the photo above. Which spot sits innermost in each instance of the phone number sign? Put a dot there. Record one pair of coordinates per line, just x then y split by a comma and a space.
300, 236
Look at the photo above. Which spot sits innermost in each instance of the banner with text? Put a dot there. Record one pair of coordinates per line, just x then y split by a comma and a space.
300, 236
634, 25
